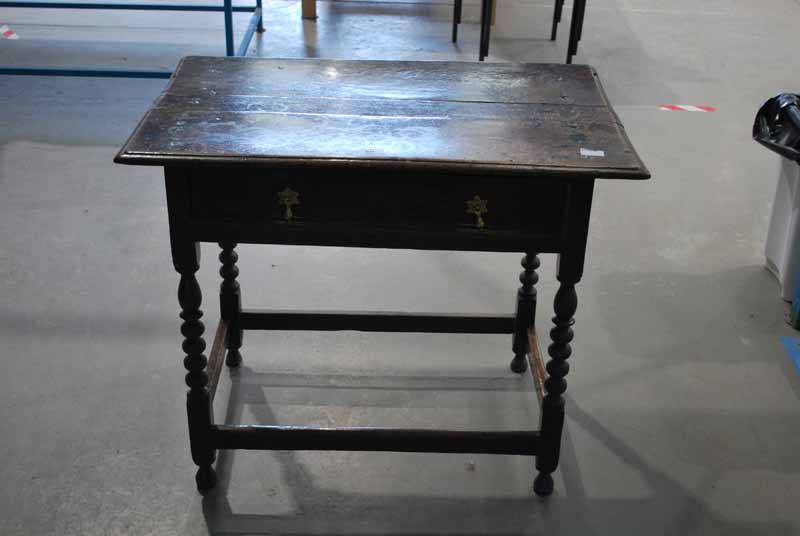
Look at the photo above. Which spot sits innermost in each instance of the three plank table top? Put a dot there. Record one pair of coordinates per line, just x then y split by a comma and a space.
495, 118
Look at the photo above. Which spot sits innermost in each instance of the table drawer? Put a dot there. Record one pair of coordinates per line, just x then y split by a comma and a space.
433, 202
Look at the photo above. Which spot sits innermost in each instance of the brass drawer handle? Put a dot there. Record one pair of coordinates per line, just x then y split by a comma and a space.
288, 198
477, 206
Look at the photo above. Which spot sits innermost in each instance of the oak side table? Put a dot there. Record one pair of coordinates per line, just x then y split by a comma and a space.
409, 155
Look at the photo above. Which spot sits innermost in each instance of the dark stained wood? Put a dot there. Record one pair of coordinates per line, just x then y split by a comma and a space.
573, 251
525, 316
198, 399
373, 439
376, 321
192, 329
230, 302
397, 237
347, 209
426, 204
391, 80
514, 119
451, 156
552, 416
569, 272
500, 138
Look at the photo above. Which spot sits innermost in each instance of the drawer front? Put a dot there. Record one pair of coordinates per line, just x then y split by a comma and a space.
438, 203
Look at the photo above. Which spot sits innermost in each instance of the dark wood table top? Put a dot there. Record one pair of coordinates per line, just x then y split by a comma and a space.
528, 119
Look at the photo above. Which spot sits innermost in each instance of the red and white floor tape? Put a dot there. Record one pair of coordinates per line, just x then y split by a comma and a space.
7, 33
686, 108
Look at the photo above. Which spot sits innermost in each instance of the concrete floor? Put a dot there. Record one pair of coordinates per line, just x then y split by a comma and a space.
683, 406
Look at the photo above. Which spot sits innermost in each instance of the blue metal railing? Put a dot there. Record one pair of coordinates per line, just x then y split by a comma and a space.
256, 24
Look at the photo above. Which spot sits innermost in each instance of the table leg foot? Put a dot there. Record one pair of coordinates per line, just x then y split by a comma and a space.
543, 485
206, 479
234, 358
519, 364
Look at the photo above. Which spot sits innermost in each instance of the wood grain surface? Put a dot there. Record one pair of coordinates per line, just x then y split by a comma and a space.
443, 116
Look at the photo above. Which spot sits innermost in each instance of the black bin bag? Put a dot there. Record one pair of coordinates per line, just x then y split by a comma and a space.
777, 125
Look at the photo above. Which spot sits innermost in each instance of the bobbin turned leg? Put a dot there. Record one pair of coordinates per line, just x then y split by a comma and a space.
552, 420
230, 302
198, 402
569, 272
526, 312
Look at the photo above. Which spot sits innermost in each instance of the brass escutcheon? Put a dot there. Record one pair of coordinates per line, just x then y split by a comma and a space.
477, 206
288, 198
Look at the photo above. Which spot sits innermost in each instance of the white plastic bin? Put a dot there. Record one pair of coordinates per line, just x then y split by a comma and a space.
783, 238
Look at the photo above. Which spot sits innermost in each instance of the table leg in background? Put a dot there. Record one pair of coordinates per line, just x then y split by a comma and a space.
557, 11
456, 18
525, 316
309, 9
230, 302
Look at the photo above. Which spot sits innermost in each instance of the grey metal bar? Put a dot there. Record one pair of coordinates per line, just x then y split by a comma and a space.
255, 21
